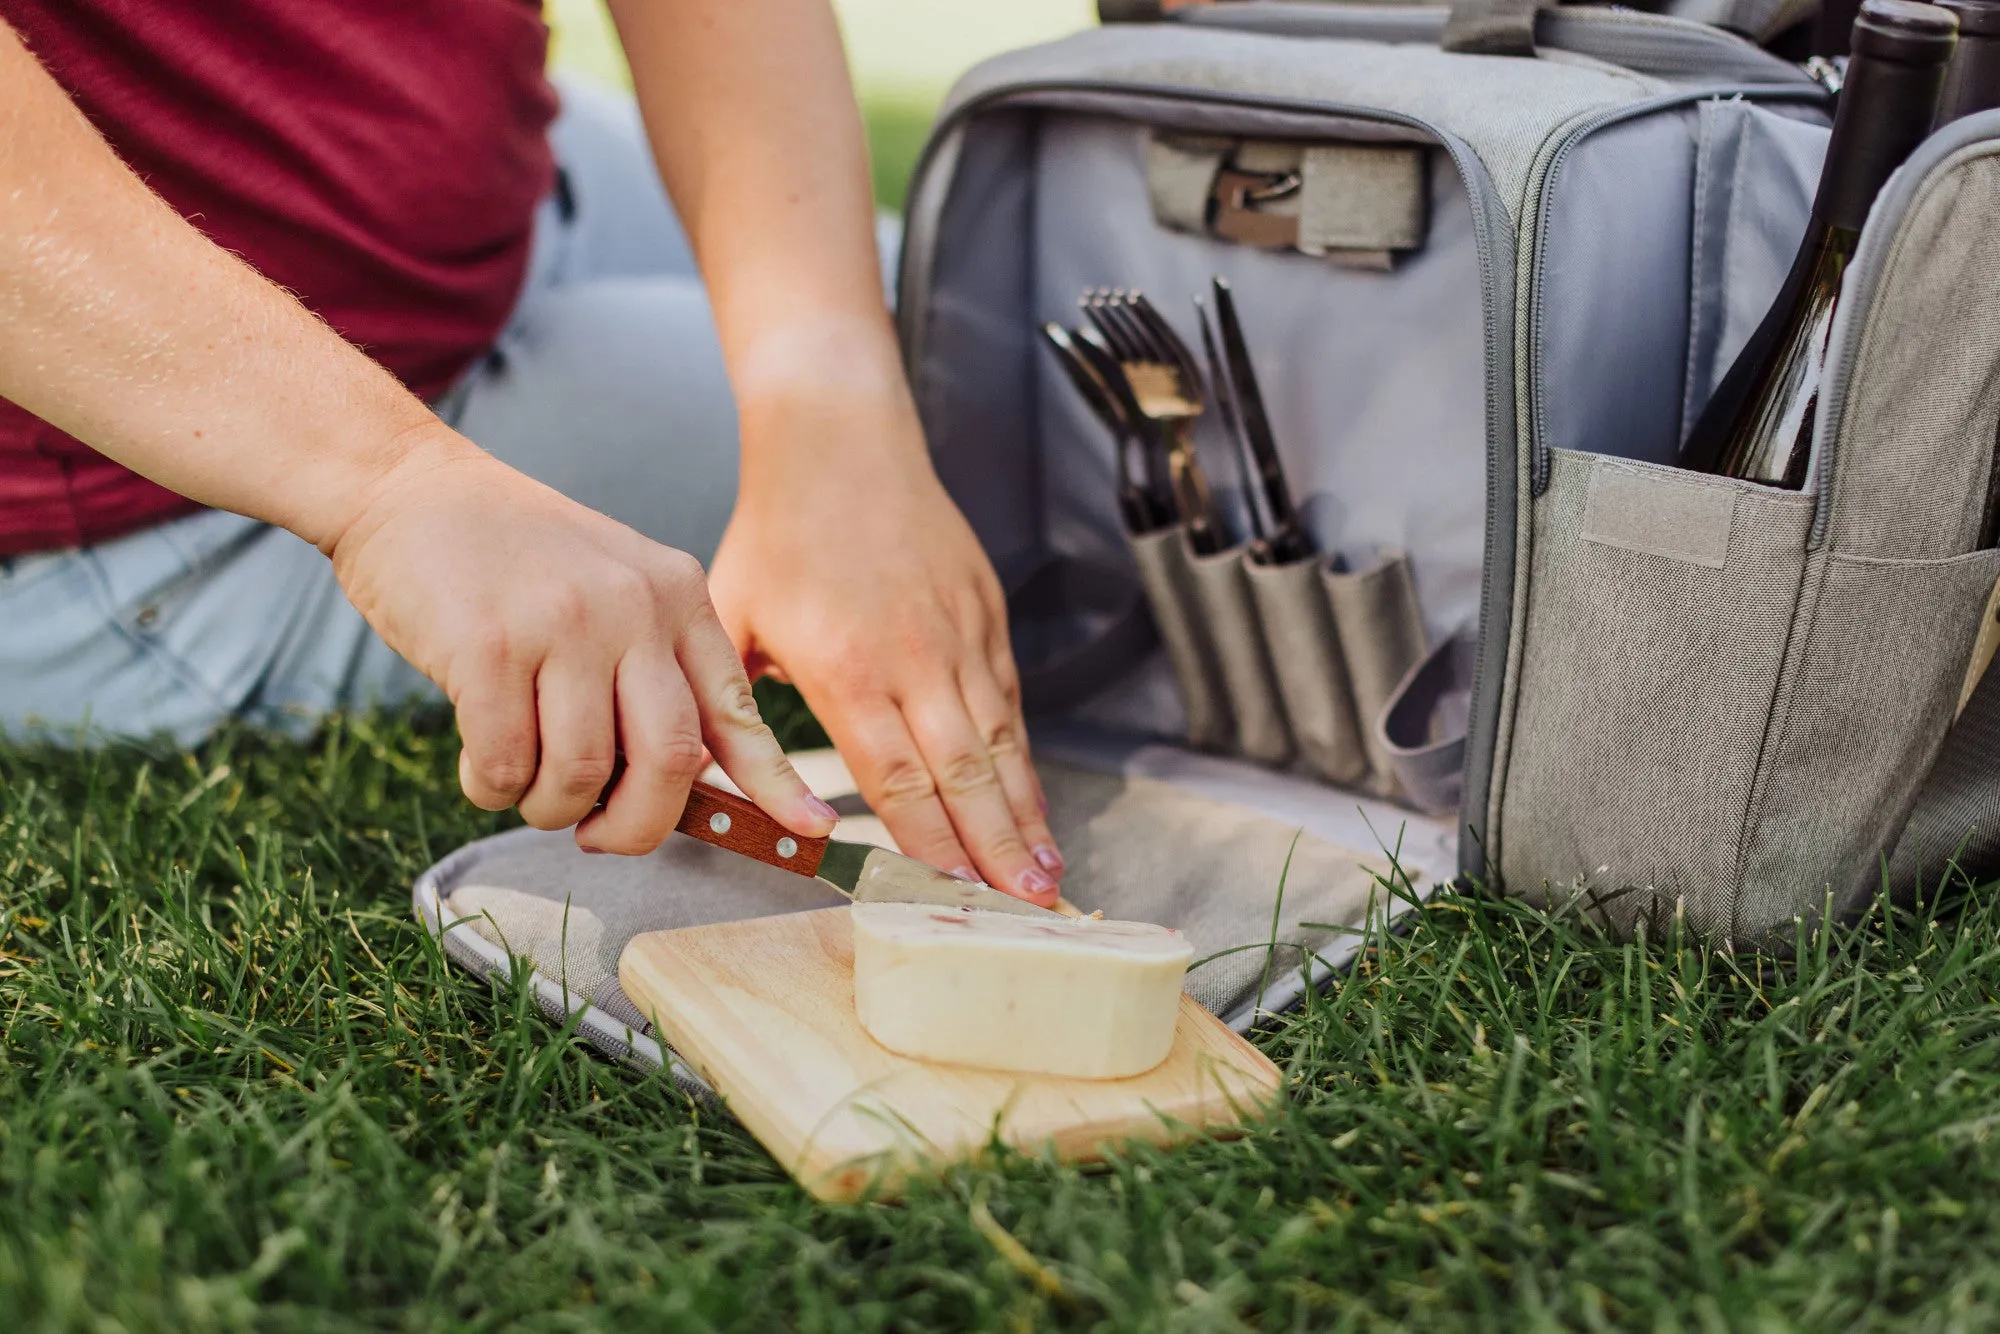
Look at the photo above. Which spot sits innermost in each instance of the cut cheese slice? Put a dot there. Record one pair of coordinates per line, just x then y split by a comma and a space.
1080, 997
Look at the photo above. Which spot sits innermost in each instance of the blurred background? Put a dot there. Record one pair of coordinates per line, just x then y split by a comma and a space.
904, 54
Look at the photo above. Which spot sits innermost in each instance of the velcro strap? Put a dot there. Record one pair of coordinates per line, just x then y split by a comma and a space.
1491, 27
1357, 204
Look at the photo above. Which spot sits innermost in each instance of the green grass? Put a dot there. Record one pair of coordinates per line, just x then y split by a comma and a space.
240, 1089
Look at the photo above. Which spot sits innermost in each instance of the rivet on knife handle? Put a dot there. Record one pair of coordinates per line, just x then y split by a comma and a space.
732, 822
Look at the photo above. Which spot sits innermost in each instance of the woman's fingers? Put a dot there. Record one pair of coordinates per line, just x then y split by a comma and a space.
996, 717
659, 733
737, 735
970, 786
893, 776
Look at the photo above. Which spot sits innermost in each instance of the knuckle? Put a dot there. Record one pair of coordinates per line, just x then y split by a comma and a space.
628, 588
1003, 740
735, 706
582, 775
1006, 848
626, 842
678, 572
492, 647
964, 773
1008, 680
569, 609
906, 782
678, 755
503, 775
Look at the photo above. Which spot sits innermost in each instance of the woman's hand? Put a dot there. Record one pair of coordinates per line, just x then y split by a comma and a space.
561, 638
847, 570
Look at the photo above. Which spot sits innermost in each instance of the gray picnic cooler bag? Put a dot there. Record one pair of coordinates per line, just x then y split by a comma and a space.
1526, 246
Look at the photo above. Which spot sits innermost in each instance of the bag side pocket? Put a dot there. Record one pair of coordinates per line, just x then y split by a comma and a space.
1162, 557
1660, 607
1229, 616
1310, 672
1877, 666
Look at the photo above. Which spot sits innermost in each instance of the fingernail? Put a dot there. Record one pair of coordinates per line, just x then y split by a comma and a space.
963, 873
1049, 859
824, 810
1034, 882
594, 852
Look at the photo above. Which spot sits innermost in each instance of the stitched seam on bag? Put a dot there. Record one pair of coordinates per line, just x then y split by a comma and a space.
1778, 717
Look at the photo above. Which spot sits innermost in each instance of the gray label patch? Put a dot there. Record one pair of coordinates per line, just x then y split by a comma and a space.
1659, 515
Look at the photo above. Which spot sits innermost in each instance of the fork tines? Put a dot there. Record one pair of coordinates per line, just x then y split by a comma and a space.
1168, 389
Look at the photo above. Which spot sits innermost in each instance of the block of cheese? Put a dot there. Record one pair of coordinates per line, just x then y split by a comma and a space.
1078, 997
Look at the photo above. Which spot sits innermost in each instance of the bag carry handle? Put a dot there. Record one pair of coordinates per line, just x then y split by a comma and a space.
1475, 27
1491, 27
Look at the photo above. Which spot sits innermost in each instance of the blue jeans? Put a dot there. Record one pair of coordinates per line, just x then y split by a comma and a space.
607, 384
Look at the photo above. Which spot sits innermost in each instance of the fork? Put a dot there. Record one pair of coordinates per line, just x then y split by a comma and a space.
1167, 387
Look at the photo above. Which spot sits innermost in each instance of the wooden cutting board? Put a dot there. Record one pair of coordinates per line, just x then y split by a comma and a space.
764, 1008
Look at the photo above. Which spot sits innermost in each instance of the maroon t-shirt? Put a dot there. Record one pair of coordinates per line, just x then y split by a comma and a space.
382, 159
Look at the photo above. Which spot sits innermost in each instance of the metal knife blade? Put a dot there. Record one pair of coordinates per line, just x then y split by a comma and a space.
1288, 539
1232, 426
864, 873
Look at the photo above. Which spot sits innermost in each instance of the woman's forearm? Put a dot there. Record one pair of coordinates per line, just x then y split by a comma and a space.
123, 325
755, 128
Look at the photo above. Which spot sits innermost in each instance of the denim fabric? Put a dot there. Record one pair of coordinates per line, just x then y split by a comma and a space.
607, 384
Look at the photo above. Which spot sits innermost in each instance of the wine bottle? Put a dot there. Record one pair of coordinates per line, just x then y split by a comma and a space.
1973, 81
1758, 425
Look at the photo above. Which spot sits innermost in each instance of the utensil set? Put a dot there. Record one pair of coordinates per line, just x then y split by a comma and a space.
1139, 378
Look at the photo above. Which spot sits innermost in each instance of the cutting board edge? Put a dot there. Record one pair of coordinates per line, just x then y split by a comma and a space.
834, 1168
710, 1063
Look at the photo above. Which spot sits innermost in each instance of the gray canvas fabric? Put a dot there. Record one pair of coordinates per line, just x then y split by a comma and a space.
1356, 203
1139, 849
1382, 431
1910, 465
1875, 673
1649, 682
1382, 636
1363, 197
1503, 107
1613, 291
1162, 558
1685, 50
1671, 648
1955, 820
1425, 727
1229, 615
1755, 172
1310, 672
1180, 174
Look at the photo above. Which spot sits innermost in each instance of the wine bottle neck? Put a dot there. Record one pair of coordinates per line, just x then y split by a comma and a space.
1973, 83
1885, 111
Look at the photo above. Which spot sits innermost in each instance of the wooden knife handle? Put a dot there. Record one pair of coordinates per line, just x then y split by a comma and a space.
733, 823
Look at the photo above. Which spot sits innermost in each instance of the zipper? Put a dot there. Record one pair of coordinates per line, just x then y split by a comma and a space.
1491, 232
1656, 44
1539, 461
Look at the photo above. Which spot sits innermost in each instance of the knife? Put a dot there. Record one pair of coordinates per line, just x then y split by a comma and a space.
1232, 426
1287, 539
864, 873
